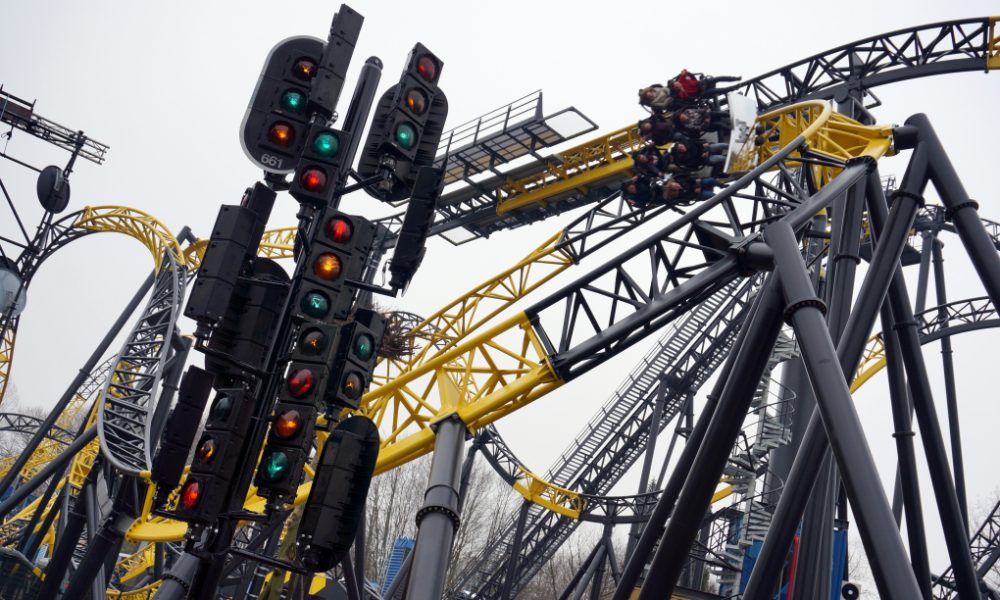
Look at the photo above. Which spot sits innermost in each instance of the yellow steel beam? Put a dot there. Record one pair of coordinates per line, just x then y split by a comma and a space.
993, 48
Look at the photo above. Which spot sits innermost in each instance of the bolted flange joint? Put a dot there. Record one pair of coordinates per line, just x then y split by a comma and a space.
794, 307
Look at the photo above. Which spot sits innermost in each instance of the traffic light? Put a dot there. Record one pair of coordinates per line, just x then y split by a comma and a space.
337, 253
216, 456
276, 121
180, 429
409, 251
300, 398
317, 176
355, 359
406, 128
339, 491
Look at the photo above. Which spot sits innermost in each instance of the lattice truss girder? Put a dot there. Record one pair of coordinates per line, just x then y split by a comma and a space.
961, 45
486, 377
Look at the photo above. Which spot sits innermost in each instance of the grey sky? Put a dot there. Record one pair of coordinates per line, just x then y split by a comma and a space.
165, 85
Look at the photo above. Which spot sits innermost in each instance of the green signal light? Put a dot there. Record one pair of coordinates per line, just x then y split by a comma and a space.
364, 346
275, 466
406, 135
293, 101
326, 144
315, 304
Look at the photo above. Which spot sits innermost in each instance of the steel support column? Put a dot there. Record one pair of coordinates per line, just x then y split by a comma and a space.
438, 518
907, 480
814, 565
647, 462
956, 536
706, 468
515, 551
950, 390
886, 553
791, 503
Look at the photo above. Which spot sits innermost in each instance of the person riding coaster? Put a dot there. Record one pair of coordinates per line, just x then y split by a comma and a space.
685, 89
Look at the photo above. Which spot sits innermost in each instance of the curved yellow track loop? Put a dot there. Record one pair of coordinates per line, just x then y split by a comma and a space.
133, 222
137, 224
275, 244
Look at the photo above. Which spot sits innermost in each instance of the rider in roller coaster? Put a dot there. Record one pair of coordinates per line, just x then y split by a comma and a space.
685, 115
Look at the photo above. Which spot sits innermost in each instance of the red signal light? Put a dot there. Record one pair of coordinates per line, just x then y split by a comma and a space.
339, 230
427, 68
190, 495
300, 382
313, 179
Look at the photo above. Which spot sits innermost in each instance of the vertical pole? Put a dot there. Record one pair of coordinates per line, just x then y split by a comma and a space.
923, 274
960, 209
351, 583
951, 395
886, 553
956, 536
706, 468
438, 519
515, 551
647, 463
359, 553
907, 471
814, 563
791, 503
55, 571
598, 583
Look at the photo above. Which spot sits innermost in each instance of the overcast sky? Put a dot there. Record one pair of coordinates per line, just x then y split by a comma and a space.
166, 85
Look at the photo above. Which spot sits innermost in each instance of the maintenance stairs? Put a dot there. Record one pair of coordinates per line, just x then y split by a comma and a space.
768, 424
685, 356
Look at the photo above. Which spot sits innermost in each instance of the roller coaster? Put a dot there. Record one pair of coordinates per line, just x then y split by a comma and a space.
752, 289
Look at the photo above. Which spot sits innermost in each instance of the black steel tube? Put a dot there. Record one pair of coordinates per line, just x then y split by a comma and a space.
437, 520
907, 473
791, 503
97, 586
814, 565
357, 111
706, 468
961, 209
59, 462
351, 584
636, 561
68, 538
950, 391
956, 536
31, 548
884, 547
71, 389
647, 462
515, 551
578, 576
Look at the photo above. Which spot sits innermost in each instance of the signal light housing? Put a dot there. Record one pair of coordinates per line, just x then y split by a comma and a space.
355, 360
337, 499
337, 254
406, 127
281, 96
